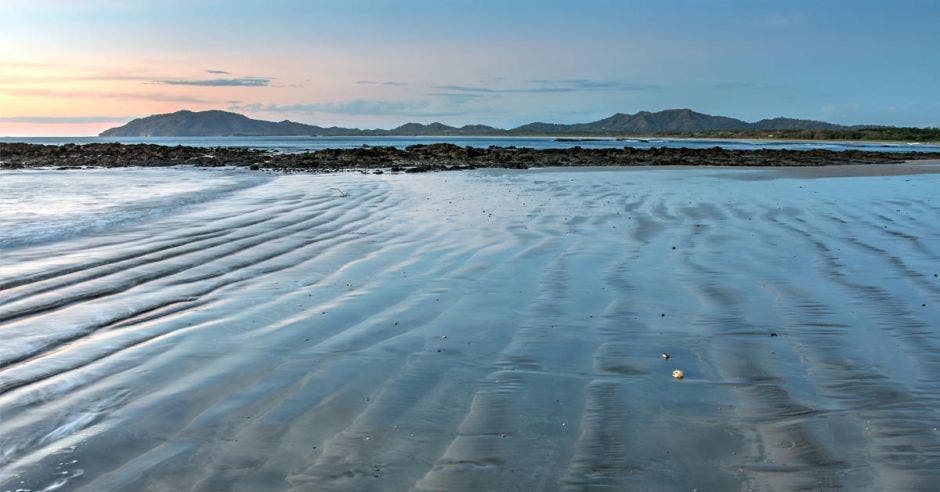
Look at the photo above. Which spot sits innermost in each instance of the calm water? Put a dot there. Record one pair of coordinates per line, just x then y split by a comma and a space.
298, 144
40, 206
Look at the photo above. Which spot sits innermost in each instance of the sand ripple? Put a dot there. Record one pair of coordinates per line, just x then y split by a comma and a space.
485, 331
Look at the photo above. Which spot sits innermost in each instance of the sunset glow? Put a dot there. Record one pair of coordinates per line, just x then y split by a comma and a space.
76, 68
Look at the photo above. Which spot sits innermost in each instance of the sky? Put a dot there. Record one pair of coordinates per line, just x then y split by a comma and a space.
72, 67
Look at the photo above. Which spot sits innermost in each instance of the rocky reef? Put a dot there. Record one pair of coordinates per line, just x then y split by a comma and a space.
422, 158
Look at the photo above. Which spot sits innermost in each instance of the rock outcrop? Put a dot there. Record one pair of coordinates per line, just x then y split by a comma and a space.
433, 157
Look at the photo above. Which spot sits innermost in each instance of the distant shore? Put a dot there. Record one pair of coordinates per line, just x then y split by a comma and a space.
670, 123
430, 157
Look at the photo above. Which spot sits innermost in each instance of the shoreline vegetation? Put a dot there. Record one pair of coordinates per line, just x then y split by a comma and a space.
869, 135
875, 134
429, 157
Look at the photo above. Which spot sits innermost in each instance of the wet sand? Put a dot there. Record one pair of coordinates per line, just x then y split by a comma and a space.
927, 166
487, 330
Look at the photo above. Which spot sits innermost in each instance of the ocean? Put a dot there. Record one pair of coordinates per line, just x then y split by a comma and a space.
300, 144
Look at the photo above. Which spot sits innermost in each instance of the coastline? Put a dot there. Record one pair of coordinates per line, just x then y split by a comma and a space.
11, 139
433, 157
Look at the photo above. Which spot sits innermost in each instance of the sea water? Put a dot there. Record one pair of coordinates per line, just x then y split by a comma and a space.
299, 144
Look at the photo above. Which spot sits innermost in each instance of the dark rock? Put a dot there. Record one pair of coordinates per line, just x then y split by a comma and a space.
426, 157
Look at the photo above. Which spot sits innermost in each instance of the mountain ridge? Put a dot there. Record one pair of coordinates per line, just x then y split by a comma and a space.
211, 123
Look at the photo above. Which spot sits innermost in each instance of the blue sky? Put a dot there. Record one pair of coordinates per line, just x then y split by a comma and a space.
78, 66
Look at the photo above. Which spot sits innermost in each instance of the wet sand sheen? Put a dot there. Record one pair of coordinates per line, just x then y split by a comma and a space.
486, 330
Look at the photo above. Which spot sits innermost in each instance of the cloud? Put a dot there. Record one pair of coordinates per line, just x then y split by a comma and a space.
358, 107
385, 82
543, 86
354, 107
83, 74
457, 98
160, 97
593, 85
234, 82
64, 120
466, 88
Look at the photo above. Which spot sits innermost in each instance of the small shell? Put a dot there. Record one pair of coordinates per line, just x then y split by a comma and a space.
678, 374
664, 355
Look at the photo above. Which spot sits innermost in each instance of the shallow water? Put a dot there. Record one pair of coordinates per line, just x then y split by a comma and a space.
39, 206
475, 330
300, 144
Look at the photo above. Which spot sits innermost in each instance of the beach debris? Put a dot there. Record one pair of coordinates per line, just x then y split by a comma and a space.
341, 192
678, 374
773, 334
664, 355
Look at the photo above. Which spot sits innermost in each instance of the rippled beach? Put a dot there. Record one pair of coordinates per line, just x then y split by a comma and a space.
480, 330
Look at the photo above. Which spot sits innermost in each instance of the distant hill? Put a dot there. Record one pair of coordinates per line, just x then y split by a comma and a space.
216, 123
680, 122
207, 123
792, 124
438, 129
668, 121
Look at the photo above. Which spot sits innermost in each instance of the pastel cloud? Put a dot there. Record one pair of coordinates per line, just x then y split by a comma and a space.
544, 86
392, 83
354, 107
233, 82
